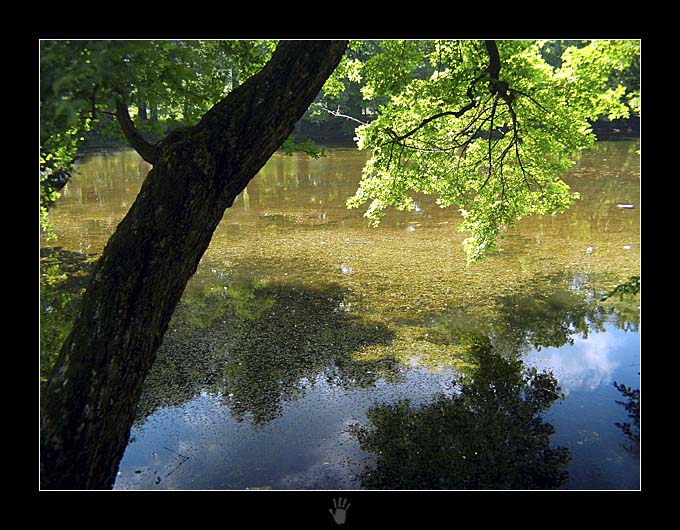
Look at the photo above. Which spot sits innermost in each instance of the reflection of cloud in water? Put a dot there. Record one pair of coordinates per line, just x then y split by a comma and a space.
586, 365
335, 461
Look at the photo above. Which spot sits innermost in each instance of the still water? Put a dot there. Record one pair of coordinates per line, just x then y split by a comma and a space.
310, 351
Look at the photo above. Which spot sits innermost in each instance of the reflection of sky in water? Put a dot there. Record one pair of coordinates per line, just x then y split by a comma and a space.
308, 447
587, 365
585, 421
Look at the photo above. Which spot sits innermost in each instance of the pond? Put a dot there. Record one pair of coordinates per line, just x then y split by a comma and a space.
310, 351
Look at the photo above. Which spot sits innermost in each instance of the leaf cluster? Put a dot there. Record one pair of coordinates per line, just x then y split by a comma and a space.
492, 139
630, 287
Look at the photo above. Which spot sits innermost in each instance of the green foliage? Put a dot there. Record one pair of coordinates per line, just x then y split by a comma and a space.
291, 146
82, 81
393, 67
57, 152
181, 79
496, 148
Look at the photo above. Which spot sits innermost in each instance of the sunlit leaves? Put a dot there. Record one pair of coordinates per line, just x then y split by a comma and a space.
57, 151
496, 148
349, 69
585, 75
390, 70
630, 287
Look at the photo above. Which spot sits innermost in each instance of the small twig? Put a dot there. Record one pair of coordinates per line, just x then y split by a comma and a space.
185, 458
530, 97
168, 449
339, 114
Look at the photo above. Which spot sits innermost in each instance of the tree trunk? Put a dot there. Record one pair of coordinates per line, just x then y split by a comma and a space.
89, 403
141, 111
154, 114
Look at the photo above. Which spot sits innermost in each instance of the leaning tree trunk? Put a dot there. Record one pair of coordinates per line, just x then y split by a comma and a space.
89, 404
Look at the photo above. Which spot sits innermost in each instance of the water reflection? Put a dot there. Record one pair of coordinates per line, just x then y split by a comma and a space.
544, 317
632, 406
299, 310
488, 434
585, 367
258, 345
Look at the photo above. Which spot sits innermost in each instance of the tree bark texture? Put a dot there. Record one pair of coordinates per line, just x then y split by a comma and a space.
89, 403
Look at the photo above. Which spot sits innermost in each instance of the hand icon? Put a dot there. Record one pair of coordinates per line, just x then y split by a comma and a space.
340, 514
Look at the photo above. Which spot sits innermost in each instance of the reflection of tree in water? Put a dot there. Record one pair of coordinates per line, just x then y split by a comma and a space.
547, 315
487, 435
258, 345
632, 406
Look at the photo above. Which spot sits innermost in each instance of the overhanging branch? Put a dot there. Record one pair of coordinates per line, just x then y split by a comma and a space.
493, 70
146, 150
398, 138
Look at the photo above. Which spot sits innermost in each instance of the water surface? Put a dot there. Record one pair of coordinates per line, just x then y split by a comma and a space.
312, 352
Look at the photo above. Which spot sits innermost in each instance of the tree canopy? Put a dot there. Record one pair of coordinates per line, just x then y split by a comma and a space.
489, 127
85, 84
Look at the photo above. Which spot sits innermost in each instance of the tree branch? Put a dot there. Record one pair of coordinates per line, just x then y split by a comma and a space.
398, 138
493, 70
146, 150
338, 114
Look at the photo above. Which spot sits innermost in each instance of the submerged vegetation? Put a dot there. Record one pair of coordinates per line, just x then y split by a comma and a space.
293, 288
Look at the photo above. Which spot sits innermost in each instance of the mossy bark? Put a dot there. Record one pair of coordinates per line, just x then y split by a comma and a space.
89, 403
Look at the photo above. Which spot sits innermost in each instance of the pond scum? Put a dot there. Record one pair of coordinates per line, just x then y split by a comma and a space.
294, 284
